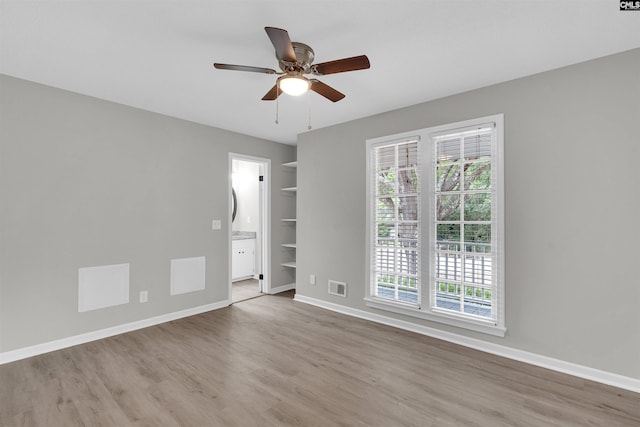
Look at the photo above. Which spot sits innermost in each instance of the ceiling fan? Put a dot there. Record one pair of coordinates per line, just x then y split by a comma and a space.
295, 60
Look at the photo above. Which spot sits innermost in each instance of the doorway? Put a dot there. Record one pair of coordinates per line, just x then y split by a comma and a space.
249, 232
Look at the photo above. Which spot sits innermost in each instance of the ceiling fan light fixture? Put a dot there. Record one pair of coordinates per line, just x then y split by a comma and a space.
296, 60
294, 85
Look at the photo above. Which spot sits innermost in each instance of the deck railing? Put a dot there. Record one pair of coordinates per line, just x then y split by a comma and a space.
463, 278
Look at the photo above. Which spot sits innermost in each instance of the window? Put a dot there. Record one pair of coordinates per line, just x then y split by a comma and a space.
396, 243
435, 224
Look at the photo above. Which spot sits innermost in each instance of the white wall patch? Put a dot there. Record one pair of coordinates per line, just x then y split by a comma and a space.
103, 286
187, 275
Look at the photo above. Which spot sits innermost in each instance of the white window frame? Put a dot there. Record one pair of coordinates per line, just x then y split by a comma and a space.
426, 309
372, 203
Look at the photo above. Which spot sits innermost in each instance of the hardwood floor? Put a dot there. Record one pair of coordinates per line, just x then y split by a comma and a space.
271, 361
244, 290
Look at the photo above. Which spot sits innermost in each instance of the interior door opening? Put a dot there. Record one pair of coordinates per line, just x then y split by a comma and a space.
249, 234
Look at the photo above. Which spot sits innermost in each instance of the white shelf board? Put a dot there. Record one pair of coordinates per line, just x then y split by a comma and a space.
289, 245
291, 164
290, 189
291, 264
288, 219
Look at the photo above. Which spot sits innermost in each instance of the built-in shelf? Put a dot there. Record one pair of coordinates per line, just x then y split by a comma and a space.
292, 245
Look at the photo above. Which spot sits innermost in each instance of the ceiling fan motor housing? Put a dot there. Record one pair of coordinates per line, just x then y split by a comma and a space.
304, 56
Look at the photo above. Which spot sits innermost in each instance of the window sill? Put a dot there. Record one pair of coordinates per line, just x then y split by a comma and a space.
414, 311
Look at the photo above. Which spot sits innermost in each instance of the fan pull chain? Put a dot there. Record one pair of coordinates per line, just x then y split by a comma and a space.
309, 108
277, 96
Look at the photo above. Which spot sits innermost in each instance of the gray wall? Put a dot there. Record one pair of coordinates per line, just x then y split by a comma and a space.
572, 206
85, 182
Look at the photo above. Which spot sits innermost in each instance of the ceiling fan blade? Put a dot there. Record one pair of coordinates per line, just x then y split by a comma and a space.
341, 65
282, 43
244, 68
326, 91
272, 94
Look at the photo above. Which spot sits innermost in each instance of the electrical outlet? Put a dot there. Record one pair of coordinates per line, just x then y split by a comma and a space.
144, 296
216, 224
312, 279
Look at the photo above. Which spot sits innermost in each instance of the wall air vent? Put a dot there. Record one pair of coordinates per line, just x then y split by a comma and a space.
337, 288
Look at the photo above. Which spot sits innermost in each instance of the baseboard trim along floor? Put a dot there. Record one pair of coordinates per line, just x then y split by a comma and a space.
558, 365
34, 350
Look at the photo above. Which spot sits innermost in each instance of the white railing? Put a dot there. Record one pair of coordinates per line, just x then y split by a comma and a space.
463, 278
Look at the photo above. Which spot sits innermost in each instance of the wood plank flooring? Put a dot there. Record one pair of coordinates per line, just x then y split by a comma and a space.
244, 290
271, 361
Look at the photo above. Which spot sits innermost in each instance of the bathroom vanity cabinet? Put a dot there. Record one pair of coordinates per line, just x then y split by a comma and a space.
243, 259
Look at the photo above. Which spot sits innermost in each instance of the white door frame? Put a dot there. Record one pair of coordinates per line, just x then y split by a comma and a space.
264, 221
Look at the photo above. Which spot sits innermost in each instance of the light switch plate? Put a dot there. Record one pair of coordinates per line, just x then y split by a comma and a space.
144, 296
312, 279
216, 224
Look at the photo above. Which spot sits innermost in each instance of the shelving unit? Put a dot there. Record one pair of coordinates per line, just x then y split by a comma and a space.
291, 245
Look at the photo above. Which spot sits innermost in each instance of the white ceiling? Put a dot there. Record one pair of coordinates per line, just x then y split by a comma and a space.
158, 55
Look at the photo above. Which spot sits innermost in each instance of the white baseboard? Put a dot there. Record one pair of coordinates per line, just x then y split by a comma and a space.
609, 378
282, 288
34, 350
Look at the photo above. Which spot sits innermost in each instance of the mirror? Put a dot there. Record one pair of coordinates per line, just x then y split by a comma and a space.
234, 204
